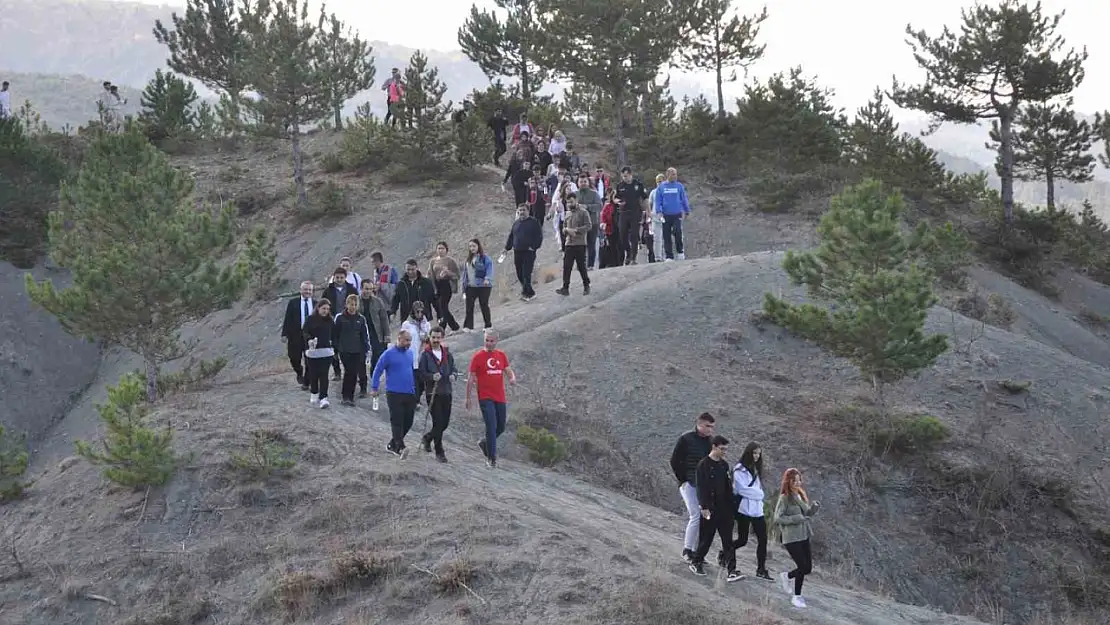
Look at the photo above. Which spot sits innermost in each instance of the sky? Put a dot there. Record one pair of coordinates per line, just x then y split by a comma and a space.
851, 46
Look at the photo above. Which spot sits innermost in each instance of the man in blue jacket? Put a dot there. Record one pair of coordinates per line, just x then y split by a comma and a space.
400, 390
525, 237
671, 202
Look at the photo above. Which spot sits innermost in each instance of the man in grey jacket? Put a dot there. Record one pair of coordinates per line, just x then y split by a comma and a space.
377, 321
437, 368
589, 200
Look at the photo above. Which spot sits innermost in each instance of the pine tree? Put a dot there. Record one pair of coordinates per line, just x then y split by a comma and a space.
210, 43
614, 45
865, 264
259, 261
722, 41
141, 255
30, 172
13, 464
427, 117
167, 107
135, 454
289, 63
587, 103
1102, 132
1002, 57
505, 48
349, 66
1050, 143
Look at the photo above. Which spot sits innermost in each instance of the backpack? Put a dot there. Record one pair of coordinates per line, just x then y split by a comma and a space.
385, 287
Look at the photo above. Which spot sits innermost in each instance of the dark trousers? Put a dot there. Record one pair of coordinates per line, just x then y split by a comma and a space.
353, 365
363, 371
562, 237
628, 227
402, 412
439, 406
649, 243
758, 525
443, 305
719, 522
525, 261
318, 375
389, 106
294, 346
496, 415
803, 562
481, 295
611, 255
499, 149
591, 247
672, 228
575, 255
335, 366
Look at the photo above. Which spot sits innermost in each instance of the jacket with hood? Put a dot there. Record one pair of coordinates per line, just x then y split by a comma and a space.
525, 235
478, 272
377, 318
408, 291
350, 334
577, 220
670, 199
445, 367
688, 452
749, 489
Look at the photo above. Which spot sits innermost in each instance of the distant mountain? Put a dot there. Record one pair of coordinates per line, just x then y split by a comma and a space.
114, 41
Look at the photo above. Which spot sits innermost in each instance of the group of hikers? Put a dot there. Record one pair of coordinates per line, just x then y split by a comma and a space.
718, 496
108, 105
5, 100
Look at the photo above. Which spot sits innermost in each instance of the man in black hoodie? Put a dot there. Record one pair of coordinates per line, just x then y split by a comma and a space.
337, 293
688, 452
717, 508
525, 237
414, 287
498, 124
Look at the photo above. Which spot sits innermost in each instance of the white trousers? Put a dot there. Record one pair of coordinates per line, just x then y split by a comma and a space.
693, 523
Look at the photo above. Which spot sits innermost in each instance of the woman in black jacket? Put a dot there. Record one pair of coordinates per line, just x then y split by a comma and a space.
319, 352
351, 339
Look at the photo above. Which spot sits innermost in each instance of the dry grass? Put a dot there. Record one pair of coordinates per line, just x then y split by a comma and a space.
455, 576
300, 594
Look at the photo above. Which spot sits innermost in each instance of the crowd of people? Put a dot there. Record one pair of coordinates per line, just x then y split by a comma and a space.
719, 497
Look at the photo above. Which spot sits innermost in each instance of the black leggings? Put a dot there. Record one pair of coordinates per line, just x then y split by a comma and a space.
481, 294
443, 305
759, 526
803, 560
318, 375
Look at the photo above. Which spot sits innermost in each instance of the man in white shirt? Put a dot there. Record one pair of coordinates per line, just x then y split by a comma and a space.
297, 311
5, 101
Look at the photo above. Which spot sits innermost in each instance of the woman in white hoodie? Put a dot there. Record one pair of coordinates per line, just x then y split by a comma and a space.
749, 492
558, 145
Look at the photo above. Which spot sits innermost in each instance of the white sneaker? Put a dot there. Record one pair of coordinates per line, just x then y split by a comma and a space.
798, 602
314, 399
324, 403
787, 583
681, 256
668, 260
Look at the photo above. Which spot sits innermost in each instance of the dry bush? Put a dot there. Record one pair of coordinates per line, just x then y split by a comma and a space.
454, 576
657, 602
990, 308
1093, 318
299, 594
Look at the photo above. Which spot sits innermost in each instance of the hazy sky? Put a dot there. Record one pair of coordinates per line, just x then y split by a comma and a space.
851, 45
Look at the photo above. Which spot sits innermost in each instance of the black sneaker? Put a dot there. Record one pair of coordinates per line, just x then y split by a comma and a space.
441, 457
734, 576
362, 394
427, 444
563, 291
720, 558
337, 378
393, 450
688, 556
697, 568
586, 290
304, 387
300, 380
403, 453
348, 402
763, 574
482, 446
491, 463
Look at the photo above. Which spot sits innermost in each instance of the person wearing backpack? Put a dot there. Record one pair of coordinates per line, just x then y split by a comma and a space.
749, 505
477, 280
385, 276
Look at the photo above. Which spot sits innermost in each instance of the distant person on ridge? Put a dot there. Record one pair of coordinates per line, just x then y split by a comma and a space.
590, 201
437, 368
673, 205
400, 390
336, 292
414, 287
351, 340
377, 319
688, 452
488, 368
319, 352
630, 195
297, 312
499, 125
395, 91
444, 270
525, 238
715, 503
385, 276
576, 223
5, 100
477, 281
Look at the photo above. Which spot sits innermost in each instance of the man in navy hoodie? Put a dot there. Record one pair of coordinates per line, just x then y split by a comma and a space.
400, 390
672, 203
525, 237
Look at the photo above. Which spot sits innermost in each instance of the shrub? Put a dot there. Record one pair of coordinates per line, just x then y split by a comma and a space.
329, 200
544, 448
909, 433
298, 594
167, 104
270, 451
332, 162
259, 261
947, 252
993, 309
30, 172
13, 464
134, 454
454, 576
192, 377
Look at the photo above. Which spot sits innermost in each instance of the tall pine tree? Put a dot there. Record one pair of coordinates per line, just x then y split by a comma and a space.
167, 107
1002, 57
427, 116
1102, 132
721, 40
505, 48
30, 171
140, 252
865, 264
348, 66
1050, 143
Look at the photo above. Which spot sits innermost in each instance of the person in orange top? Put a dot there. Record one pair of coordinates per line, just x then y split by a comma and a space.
488, 369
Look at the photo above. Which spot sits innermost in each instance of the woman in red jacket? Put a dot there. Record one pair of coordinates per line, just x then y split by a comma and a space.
610, 244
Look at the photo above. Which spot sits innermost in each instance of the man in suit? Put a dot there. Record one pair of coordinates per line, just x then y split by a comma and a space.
297, 311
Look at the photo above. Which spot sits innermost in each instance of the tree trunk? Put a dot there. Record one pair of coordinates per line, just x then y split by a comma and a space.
151, 366
618, 131
645, 104
720, 70
1006, 151
1050, 190
525, 79
339, 117
298, 168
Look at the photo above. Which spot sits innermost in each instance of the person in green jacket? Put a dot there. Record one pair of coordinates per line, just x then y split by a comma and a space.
792, 512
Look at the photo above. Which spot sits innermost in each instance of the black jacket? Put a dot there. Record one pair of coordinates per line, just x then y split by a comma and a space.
429, 367
291, 324
688, 452
350, 334
319, 328
419, 290
544, 160
525, 235
498, 125
338, 302
633, 193
714, 484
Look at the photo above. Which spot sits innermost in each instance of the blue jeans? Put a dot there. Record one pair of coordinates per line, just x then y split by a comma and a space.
495, 414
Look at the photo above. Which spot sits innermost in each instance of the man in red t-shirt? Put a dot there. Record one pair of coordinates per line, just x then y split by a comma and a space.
488, 369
